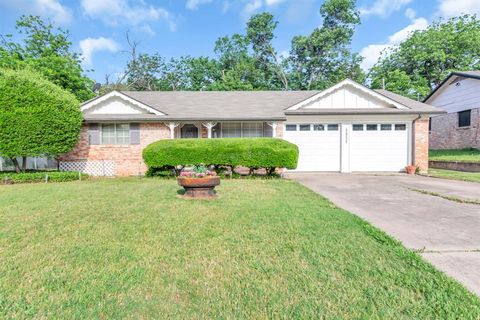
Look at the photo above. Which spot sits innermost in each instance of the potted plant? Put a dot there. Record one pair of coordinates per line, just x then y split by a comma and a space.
411, 169
198, 182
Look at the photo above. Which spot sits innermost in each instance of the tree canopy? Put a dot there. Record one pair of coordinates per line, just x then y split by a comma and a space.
47, 50
420, 63
37, 117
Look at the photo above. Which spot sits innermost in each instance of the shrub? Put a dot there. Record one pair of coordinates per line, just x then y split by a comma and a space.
252, 153
39, 176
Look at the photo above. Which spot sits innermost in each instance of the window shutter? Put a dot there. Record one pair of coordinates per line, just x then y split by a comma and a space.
134, 133
94, 133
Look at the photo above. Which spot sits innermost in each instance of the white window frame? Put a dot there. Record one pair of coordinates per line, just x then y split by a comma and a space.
114, 133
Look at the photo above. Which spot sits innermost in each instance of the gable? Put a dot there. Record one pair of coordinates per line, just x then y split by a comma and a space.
117, 103
348, 95
457, 94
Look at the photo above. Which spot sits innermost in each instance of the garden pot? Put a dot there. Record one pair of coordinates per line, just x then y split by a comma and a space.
410, 169
199, 188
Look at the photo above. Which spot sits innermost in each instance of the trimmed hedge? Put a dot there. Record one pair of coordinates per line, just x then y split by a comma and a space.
246, 152
39, 176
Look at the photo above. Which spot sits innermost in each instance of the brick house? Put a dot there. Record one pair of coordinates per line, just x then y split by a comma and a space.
459, 96
346, 128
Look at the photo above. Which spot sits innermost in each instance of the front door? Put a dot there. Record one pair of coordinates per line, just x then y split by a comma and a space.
189, 131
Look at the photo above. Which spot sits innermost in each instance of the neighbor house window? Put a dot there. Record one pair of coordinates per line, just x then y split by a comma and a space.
464, 118
115, 133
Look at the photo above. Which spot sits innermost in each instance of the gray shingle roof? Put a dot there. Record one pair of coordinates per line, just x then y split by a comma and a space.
221, 105
414, 105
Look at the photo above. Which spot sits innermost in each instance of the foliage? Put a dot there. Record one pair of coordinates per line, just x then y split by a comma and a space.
46, 49
462, 155
197, 171
267, 153
323, 58
37, 117
455, 175
422, 62
131, 249
39, 176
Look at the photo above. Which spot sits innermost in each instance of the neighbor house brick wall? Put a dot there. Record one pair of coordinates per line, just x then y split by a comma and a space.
420, 144
446, 134
128, 159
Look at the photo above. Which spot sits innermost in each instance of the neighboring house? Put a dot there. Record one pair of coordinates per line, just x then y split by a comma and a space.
346, 128
459, 96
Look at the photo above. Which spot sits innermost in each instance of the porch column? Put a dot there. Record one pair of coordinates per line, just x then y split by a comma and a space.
172, 126
209, 126
274, 128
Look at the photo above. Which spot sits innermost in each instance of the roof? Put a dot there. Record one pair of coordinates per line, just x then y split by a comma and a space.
221, 105
473, 74
241, 105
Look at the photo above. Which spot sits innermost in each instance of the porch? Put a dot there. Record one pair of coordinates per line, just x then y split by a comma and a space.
228, 129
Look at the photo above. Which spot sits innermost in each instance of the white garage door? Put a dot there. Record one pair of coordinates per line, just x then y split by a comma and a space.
318, 144
378, 147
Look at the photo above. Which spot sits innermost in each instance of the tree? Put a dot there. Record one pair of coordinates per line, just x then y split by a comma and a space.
260, 32
318, 60
37, 117
47, 50
420, 63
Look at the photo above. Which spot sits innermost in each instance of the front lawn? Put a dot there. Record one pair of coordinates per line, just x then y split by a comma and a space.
462, 155
455, 175
265, 249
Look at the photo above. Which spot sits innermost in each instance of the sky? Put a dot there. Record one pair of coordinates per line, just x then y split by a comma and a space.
174, 28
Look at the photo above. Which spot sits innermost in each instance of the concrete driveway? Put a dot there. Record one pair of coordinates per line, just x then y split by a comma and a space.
447, 231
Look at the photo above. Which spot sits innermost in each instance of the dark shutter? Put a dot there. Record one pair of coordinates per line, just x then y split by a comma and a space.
94, 133
134, 133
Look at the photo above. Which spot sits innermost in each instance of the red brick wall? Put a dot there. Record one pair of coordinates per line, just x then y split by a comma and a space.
420, 144
128, 159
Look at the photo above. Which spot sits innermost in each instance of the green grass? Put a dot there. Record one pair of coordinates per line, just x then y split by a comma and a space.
455, 175
462, 155
265, 249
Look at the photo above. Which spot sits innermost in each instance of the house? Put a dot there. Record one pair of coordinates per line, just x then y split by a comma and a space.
346, 128
459, 96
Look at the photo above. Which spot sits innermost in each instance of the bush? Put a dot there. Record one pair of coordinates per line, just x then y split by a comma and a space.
39, 176
253, 153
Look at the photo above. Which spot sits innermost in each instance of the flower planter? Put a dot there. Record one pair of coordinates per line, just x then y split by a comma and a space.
411, 169
199, 188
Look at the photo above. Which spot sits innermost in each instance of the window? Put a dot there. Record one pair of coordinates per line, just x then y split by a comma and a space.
291, 127
231, 130
386, 127
252, 129
400, 127
318, 127
332, 127
357, 127
115, 133
304, 127
464, 118
372, 127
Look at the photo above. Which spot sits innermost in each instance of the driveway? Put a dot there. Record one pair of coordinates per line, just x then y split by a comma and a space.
446, 231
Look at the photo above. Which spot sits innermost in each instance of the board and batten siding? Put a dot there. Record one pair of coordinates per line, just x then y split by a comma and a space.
457, 96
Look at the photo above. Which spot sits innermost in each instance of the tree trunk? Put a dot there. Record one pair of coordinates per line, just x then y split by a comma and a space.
24, 163
15, 163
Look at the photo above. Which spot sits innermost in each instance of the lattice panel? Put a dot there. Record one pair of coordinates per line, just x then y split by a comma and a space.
93, 168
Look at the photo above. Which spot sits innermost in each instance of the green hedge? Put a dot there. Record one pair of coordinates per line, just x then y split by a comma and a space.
246, 152
30, 177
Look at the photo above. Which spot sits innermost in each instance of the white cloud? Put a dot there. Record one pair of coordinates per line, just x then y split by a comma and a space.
90, 45
451, 8
410, 13
372, 52
52, 9
384, 8
273, 2
252, 6
135, 12
194, 4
